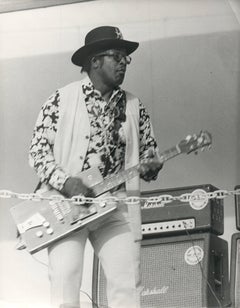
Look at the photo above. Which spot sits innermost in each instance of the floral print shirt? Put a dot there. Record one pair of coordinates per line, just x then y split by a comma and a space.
107, 140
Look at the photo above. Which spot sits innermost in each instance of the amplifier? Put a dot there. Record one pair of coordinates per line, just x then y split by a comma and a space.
177, 271
235, 270
181, 217
237, 208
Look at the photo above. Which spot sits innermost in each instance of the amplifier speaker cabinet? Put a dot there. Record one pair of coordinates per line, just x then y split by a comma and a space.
235, 270
181, 271
237, 208
205, 215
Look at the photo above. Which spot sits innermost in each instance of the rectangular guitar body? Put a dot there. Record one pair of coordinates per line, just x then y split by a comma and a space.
41, 223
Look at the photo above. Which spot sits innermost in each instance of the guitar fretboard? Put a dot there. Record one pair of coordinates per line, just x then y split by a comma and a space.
170, 153
115, 180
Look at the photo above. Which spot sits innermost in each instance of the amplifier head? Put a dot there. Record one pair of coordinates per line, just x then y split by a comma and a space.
177, 216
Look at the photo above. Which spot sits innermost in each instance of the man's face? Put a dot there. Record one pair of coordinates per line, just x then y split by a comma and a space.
113, 67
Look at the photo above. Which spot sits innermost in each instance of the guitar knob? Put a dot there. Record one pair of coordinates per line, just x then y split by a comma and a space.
39, 234
102, 204
49, 231
46, 224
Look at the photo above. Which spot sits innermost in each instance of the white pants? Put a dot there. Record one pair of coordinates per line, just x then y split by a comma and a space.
119, 254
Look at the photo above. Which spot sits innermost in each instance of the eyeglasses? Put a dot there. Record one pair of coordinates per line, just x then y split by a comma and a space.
117, 56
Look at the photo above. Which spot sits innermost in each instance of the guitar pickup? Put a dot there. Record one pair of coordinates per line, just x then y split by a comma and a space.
91, 211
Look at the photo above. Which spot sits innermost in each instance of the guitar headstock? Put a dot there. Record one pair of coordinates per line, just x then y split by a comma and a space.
193, 143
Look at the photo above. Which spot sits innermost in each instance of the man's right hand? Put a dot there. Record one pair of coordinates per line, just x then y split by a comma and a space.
74, 186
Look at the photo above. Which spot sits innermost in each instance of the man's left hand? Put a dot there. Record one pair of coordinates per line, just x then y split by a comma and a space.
149, 170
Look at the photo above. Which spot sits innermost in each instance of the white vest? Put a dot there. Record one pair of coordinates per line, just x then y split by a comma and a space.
72, 139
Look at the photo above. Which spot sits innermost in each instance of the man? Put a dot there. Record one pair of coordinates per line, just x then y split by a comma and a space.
93, 122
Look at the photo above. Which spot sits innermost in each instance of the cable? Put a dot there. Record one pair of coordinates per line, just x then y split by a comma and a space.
200, 265
45, 264
93, 302
81, 291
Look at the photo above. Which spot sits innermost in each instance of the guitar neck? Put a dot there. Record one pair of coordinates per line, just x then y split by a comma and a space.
115, 180
170, 153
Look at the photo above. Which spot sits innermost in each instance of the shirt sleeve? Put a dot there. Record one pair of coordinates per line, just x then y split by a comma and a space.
147, 139
41, 156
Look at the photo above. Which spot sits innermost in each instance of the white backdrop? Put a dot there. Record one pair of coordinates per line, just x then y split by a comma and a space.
186, 71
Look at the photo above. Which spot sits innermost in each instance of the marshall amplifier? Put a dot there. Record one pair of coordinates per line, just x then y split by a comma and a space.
177, 217
237, 208
177, 271
235, 270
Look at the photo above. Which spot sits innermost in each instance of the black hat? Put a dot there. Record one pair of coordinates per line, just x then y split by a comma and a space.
100, 39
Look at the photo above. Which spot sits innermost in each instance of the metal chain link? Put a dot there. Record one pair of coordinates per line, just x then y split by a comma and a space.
159, 201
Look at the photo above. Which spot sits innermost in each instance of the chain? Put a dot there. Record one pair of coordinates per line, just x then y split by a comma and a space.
197, 195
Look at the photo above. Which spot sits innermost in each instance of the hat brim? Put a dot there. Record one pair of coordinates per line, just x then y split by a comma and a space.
80, 55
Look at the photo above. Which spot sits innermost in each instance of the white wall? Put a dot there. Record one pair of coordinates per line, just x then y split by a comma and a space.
186, 71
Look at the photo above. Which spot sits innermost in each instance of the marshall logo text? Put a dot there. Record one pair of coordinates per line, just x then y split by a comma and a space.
154, 291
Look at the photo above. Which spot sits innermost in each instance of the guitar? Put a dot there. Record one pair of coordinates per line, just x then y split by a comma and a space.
42, 223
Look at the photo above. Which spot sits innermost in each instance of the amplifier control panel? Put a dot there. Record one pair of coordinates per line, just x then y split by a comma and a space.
168, 226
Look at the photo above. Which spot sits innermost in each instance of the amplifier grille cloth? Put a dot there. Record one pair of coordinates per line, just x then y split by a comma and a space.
167, 280
163, 269
237, 284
